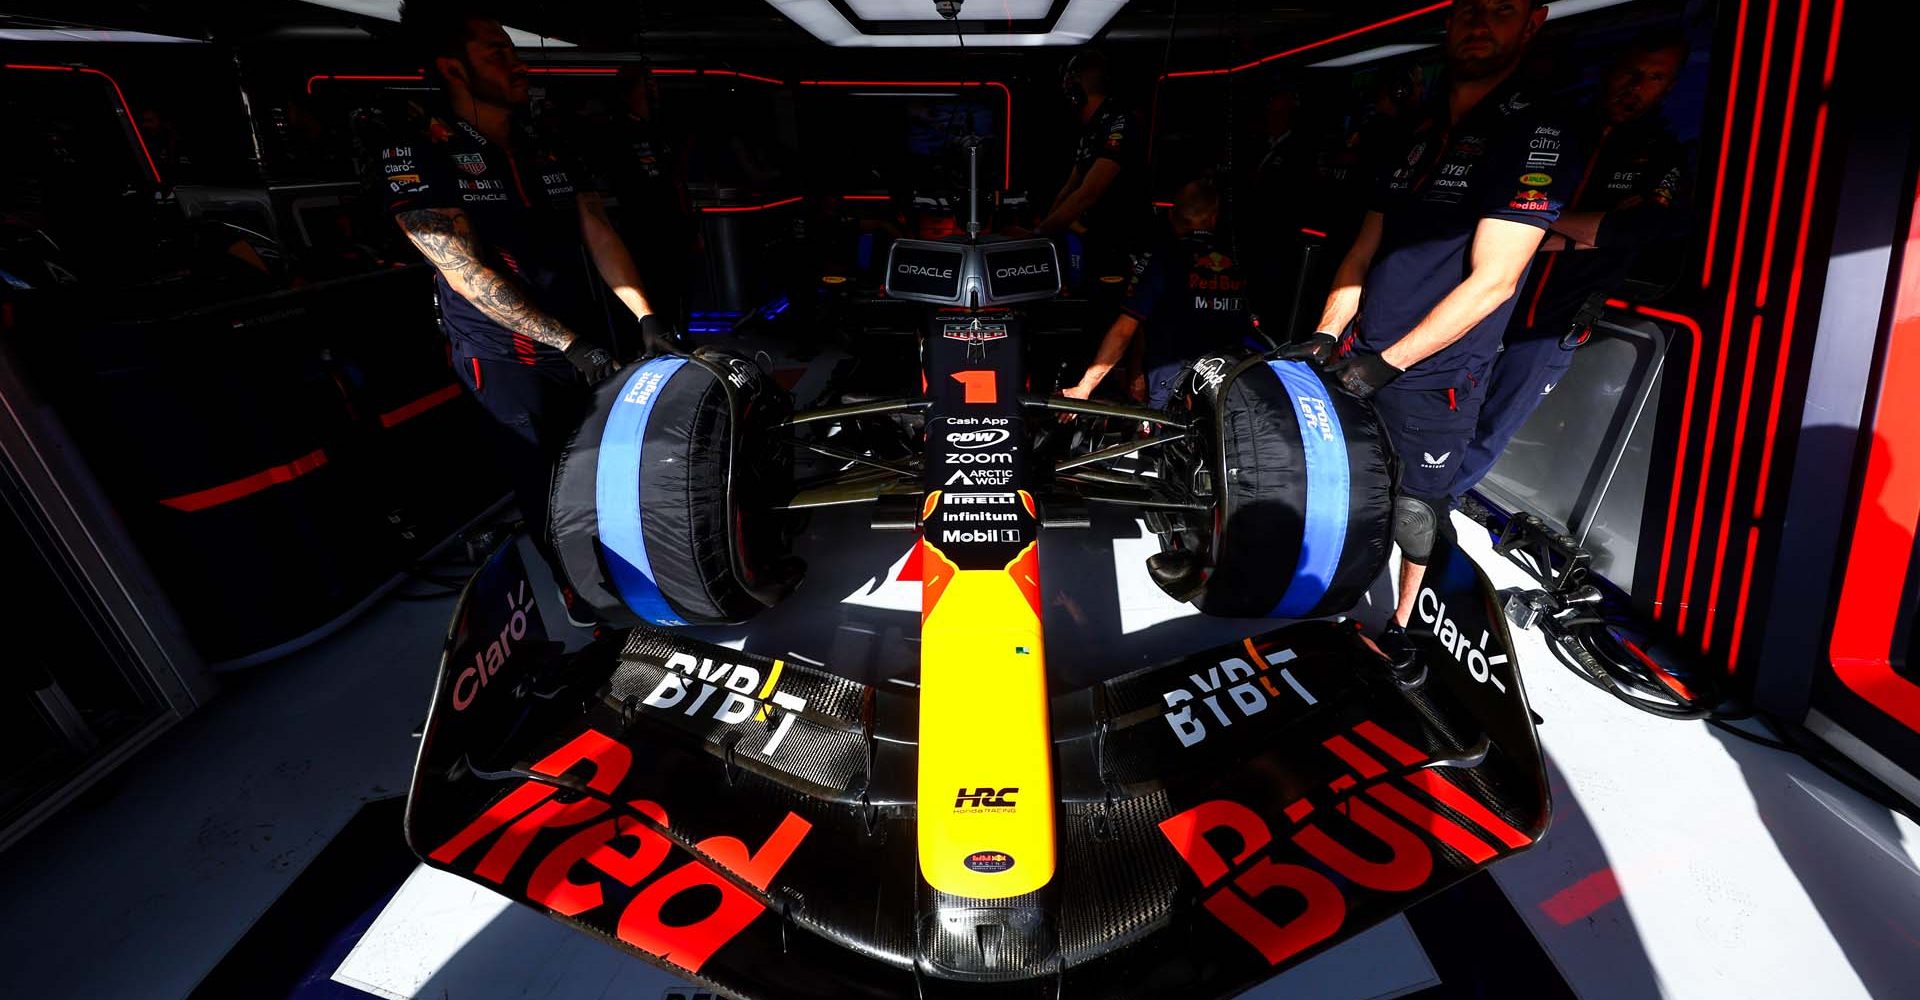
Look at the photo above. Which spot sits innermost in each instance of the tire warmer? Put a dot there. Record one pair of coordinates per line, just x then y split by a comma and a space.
985, 786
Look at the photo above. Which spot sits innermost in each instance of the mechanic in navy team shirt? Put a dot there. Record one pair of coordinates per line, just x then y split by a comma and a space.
1431, 279
510, 228
645, 174
1104, 200
1634, 176
1190, 299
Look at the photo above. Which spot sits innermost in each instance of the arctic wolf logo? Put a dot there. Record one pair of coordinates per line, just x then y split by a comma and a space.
1436, 461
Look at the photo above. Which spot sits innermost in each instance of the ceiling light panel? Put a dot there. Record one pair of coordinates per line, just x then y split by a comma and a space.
971, 10
1079, 21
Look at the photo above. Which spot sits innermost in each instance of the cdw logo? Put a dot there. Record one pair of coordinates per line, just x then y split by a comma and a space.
595, 861
984, 798
1245, 889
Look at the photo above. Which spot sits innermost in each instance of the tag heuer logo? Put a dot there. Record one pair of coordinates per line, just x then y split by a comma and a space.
472, 163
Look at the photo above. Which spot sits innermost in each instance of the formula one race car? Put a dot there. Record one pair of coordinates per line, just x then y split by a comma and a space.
775, 830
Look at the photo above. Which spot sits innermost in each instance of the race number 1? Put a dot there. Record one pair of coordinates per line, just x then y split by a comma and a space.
979, 386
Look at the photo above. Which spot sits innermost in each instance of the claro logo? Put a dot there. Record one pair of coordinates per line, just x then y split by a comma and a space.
1272, 893
487, 662
1433, 611
601, 869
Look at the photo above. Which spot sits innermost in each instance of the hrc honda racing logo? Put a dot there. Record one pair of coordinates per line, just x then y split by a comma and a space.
601, 864
1266, 893
984, 798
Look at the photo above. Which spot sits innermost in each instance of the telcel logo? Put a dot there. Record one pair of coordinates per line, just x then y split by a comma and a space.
1433, 611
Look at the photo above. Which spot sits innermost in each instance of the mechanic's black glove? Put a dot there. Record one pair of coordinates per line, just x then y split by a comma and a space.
659, 335
1361, 375
1317, 349
594, 362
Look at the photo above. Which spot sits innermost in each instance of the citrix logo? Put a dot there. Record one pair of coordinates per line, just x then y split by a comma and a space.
985, 798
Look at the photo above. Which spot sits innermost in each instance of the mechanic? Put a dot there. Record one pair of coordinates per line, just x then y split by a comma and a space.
1431, 279
1625, 203
646, 177
1104, 200
1190, 299
503, 218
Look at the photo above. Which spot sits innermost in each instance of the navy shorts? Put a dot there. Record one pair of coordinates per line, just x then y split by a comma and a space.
535, 409
1430, 427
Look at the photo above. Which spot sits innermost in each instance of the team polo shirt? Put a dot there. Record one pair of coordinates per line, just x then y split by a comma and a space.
1512, 156
523, 207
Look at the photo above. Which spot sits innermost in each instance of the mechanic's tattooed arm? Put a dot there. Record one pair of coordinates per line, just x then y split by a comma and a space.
446, 237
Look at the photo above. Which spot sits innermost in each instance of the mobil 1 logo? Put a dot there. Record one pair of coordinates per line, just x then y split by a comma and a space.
981, 529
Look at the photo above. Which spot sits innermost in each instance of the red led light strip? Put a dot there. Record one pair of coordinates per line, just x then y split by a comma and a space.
1794, 280
1753, 356
317, 77
1733, 480
554, 71
1726, 326
1726, 129
1789, 318
1686, 424
1296, 50
725, 209
1780, 165
118, 95
1883, 529
1006, 168
402, 414
248, 485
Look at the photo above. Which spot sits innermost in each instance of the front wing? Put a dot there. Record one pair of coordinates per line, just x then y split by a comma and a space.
750, 823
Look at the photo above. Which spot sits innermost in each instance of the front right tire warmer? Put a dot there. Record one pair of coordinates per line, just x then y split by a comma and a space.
1303, 479
662, 511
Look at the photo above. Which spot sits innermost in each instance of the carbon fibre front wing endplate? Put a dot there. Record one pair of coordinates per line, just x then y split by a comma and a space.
749, 823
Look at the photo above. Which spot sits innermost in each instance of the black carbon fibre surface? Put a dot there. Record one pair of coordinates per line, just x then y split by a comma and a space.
1221, 818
